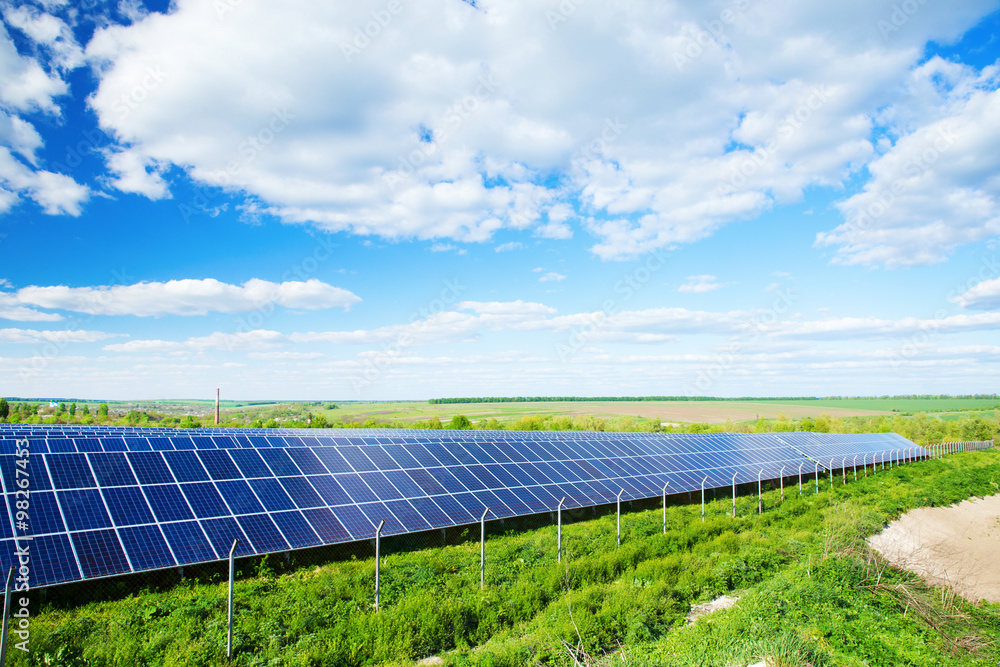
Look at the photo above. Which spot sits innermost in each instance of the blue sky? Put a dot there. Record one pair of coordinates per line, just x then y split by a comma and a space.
385, 200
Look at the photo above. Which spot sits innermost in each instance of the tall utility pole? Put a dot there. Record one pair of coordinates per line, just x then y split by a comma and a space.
216, 406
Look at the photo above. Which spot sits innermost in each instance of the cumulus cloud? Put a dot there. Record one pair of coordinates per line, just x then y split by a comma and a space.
552, 276
982, 296
68, 336
30, 86
187, 297
435, 128
700, 284
935, 189
256, 339
511, 245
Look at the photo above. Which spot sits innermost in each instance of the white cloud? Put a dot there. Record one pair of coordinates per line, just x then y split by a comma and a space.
68, 336
552, 276
700, 284
256, 339
437, 130
286, 356
49, 32
982, 296
136, 173
187, 297
936, 189
511, 245
11, 309
27, 86
447, 247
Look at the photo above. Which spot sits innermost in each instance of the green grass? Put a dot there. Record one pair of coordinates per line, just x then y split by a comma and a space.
811, 594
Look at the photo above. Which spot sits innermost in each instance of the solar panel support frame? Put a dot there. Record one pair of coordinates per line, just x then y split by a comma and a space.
783, 483
703, 498
760, 498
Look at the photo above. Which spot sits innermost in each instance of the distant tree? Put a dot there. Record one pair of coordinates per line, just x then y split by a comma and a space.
271, 424
103, 410
62, 408
84, 410
435, 423
460, 422
4, 408
319, 421
331, 406
72, 409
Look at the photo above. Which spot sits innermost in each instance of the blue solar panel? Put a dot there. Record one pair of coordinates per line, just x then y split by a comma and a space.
129, 499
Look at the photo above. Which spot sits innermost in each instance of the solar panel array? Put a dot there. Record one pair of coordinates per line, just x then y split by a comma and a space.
106, 501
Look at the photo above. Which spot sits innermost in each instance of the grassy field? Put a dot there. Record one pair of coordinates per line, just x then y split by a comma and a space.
811, 593
670, 412
710, 412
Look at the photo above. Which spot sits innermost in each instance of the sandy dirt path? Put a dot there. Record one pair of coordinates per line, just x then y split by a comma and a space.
957, 546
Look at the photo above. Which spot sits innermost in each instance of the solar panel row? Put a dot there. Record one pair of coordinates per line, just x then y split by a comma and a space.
107, 501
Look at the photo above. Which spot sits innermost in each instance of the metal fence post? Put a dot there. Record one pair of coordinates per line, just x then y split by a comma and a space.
559, 530
782, 483
843, 471
665, 507
800, 478
618, 504
864, 463
482, 548
855, 467
378, 556
229, 640
817, 476
831, 473
6, 616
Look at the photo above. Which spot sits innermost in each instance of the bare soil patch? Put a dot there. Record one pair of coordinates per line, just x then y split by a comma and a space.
957, 546
699, 610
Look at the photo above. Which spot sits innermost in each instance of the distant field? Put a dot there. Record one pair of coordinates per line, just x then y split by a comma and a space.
898, 404
712, 412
